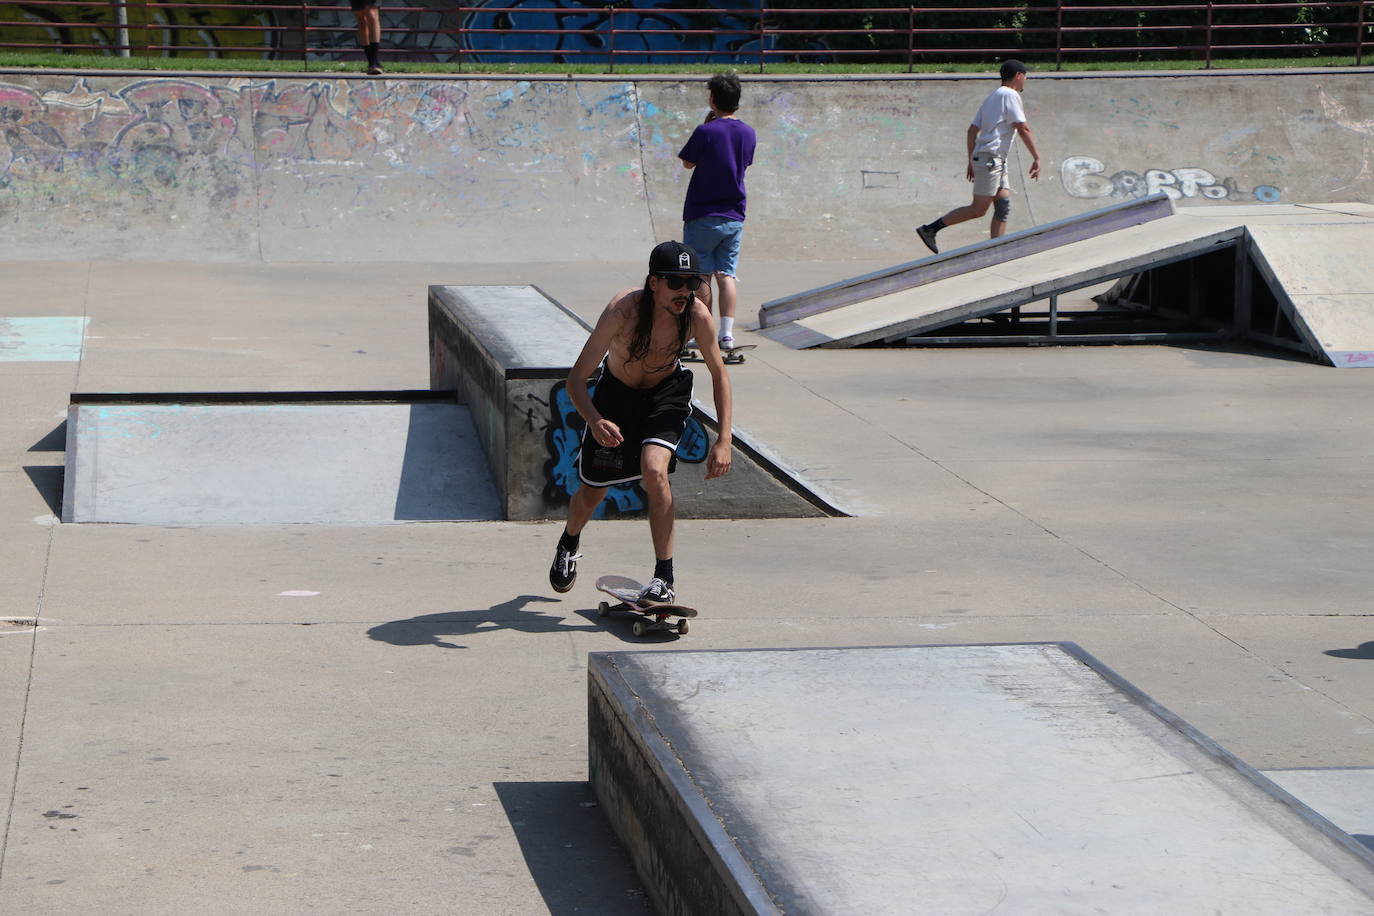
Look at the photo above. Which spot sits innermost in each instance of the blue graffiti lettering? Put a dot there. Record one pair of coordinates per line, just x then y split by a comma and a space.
564, 439
579, 32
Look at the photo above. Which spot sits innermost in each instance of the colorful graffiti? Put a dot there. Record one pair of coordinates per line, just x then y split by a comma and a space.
149, 134
1085, 177
178, 31
563, 437
579, 31
492, 31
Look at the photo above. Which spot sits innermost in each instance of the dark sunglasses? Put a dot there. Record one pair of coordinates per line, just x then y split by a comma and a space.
678, 282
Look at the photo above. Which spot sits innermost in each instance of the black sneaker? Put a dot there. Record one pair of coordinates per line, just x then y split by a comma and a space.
657, 592
563, 572
927, 235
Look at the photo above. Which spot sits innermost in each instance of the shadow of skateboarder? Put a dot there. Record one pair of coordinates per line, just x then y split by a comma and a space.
435, 629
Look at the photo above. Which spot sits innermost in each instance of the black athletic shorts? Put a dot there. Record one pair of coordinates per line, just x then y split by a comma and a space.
645, 416
360, 4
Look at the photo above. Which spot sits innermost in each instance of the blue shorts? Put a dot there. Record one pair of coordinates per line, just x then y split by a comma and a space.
716, 240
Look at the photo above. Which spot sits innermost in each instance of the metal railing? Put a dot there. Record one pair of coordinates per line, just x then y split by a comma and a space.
621, 33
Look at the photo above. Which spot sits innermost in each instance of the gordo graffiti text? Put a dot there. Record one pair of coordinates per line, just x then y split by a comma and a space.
1086, 178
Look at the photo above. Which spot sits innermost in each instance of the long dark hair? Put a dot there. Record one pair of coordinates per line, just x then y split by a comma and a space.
644, 327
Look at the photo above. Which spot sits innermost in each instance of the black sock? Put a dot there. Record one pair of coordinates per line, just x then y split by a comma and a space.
371, 51
937, 225
569, 541
663, 569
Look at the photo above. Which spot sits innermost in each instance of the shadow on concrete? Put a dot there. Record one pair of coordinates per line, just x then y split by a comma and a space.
55, 441
47, 480
1206, 355
444, 473
619, 624
572, 854
434, 629
1364, 650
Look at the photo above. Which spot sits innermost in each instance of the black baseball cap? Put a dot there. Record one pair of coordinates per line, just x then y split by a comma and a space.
674, 258
1012, 67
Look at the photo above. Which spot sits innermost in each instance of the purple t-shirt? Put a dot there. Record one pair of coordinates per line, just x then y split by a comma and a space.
722, 149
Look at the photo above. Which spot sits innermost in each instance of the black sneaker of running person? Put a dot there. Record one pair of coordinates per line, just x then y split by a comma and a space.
927, 235
657, 592
563, 572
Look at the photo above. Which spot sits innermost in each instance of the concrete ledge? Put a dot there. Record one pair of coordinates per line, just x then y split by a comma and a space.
500, 348
964, 260
507, 351
269, 458
680, 849
966, 777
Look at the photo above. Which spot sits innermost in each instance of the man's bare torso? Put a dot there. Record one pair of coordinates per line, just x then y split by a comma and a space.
664, 345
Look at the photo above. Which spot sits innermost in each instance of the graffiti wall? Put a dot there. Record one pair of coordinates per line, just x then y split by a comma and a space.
486, 170
666, 31
195, 32
544, 31
308, 169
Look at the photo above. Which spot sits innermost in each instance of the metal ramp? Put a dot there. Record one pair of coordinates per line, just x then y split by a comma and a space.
1284, 275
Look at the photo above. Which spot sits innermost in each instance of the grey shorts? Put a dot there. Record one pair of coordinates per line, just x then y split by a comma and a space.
989, 175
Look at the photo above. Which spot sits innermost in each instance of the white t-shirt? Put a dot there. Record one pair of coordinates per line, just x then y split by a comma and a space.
996, 122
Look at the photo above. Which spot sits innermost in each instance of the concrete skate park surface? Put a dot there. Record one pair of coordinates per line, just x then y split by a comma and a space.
363, 719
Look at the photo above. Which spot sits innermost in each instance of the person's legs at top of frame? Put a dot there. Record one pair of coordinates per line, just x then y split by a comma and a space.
369, 33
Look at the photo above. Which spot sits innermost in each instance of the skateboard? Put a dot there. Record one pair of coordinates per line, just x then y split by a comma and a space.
732, 356
650, 619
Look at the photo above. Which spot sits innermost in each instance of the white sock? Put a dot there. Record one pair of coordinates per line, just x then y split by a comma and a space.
727, 326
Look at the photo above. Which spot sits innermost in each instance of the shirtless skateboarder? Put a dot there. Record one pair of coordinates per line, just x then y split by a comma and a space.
642, 401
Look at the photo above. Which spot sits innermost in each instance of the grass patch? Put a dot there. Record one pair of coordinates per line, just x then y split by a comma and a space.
48, 60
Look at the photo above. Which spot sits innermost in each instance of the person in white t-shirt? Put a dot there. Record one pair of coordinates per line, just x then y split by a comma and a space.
999, 121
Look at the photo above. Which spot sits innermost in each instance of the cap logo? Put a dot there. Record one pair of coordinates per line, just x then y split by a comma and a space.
684, 260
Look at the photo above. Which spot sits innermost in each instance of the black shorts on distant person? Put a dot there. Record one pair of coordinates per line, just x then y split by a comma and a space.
361, 4
646, 416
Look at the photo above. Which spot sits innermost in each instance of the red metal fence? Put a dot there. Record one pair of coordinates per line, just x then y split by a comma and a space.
596, 32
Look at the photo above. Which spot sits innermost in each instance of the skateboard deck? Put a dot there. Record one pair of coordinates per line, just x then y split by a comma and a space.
650, 619
732, 356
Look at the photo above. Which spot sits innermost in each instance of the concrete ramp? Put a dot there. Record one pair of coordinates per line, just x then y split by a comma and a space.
1028, 779
273, 459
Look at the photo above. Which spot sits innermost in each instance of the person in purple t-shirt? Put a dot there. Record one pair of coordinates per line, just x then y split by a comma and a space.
718, 152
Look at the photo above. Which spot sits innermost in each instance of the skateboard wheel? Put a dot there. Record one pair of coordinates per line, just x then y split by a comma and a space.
603, 609
682, 627
640, 628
